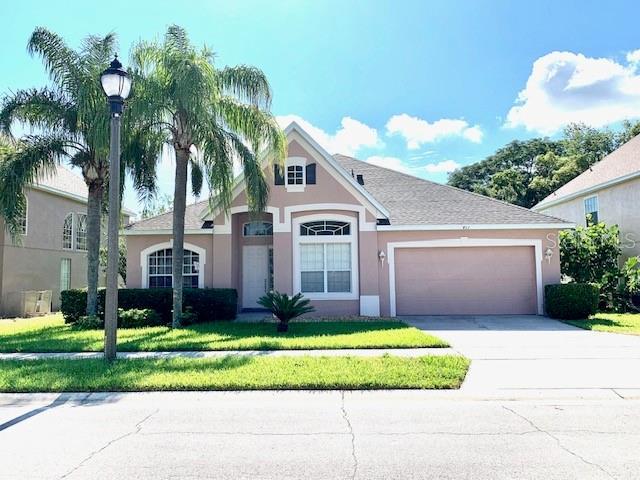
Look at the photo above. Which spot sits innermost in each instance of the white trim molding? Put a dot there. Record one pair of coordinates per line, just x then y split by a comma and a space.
370, 305
352, 239
585, 191
286, 225
466, 242
144, 260
478, 226
295, 162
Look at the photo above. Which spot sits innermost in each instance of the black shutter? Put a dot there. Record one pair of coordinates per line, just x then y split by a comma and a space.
277, 175
311, 174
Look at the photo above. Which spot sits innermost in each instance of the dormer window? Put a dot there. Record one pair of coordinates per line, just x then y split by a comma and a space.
296, 175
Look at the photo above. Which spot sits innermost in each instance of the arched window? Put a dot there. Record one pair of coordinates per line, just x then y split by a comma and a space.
160, 268
81, 232
67, 232
325, 263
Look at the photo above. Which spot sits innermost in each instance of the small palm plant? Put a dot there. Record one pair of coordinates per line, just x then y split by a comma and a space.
285, 308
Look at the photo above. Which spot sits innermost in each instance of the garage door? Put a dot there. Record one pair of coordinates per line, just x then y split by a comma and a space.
465, 281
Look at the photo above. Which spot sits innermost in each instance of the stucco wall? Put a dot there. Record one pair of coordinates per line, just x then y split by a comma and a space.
617, 205
33, 263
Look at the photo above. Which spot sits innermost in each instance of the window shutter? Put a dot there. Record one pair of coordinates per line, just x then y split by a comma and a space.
278, 177
311, 174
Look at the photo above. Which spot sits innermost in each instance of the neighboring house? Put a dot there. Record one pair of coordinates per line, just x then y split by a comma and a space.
51, 252
608, 192
359, 239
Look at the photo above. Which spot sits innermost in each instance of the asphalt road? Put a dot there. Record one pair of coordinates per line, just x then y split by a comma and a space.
316, 435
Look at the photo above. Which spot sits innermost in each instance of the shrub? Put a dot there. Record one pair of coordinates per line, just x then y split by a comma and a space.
206, 304
285, 307
138, 317
188, 317
571, 301
89, 322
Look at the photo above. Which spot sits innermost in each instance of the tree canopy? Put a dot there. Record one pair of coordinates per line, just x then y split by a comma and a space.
524, 172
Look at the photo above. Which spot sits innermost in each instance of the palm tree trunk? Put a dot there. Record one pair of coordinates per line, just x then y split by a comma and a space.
179, 207
94, 211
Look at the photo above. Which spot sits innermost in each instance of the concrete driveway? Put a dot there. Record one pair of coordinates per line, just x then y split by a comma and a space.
520, 353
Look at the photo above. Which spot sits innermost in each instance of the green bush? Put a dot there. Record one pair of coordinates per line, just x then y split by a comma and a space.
285, 308
571, 301
138, 317
89, 322
206, 304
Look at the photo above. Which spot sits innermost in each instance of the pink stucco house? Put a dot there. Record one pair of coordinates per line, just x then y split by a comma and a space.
359, 239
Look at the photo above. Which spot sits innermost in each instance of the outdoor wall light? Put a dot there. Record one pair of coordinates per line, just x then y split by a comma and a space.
381, 256
548, 253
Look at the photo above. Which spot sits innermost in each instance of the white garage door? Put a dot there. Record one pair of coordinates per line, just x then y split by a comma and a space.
465, 280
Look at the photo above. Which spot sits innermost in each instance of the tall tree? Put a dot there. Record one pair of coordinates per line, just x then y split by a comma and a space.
71, 121
209, 117
525, 172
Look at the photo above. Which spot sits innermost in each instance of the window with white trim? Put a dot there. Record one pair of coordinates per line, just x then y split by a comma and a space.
160, 268
257, 229
295, 175
326, 265
67, 232
81, 232
65, 274
591, 210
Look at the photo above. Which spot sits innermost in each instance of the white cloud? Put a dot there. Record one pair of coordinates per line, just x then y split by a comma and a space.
565, 87
444, 166
348, 139
417, 131
392, 163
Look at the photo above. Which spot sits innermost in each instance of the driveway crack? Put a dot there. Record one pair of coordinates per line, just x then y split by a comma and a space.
135, 431
353, 437
557, 440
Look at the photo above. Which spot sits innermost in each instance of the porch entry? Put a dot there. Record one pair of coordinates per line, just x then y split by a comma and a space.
257, 273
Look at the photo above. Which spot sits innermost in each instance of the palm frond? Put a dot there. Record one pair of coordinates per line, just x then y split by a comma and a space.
247, 84
35, 157
44, 108
61, 62
197, 178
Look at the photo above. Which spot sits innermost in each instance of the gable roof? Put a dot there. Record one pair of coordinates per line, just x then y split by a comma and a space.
367, 199
164, 221
620, 165
415, 201
63, 181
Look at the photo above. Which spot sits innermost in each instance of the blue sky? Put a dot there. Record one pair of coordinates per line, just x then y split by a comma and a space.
417, 86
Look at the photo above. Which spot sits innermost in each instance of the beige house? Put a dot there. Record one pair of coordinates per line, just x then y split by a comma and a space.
51, 251
608, 192
358, 239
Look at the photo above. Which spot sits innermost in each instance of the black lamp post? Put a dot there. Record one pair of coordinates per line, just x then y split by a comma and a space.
116, 84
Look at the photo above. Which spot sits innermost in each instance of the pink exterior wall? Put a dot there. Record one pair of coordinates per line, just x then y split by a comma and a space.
224, 249
549, 238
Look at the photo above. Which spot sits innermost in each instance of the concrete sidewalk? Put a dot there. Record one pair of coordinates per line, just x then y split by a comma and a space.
355, 352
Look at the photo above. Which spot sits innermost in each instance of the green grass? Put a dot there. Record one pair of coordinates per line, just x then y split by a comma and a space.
233, 372
628, 323
50, 334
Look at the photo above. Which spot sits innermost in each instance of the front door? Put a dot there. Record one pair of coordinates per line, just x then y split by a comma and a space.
255, 274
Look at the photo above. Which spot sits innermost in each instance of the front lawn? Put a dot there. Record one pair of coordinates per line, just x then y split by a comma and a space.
628, 323
233, 372
50, 334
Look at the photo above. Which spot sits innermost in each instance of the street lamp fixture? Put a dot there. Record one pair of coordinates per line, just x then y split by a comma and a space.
116, 84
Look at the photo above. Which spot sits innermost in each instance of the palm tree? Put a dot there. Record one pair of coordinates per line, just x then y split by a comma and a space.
209, 117
71, 121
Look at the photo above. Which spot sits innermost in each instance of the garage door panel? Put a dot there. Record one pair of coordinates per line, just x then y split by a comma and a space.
465, 280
